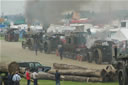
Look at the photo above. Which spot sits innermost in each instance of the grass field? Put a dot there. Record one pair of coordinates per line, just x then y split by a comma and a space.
49, 82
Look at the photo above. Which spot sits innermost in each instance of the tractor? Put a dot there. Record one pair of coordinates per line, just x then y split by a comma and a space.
31, 39
101, 52
51, 42
120, 62
75, 44
12, 34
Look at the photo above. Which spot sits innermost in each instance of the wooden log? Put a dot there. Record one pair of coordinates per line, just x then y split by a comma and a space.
65, 66
51, 76
82, 79
11, 68
48, 76
87, 73
22, 70
109, 74
3, 67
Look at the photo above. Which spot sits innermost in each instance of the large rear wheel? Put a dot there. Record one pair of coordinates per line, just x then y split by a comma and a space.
123, 77
98, 56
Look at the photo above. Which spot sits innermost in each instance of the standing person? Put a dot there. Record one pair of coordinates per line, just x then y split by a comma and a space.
10, 82
36, 43
0, 80
60, 49
34, 75
16, 78
28, 76
57, 77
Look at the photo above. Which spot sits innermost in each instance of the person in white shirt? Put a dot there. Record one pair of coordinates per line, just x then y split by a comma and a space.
16, 78
34, 75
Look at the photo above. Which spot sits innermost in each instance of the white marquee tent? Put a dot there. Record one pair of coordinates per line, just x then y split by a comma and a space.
120, 35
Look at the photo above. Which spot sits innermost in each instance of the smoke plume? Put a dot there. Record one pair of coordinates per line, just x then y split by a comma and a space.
50, 11
101, 35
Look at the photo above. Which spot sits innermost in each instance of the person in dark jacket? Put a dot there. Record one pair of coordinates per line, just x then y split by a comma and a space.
57, 77
10, 82
36, 44
0, 80
60, 49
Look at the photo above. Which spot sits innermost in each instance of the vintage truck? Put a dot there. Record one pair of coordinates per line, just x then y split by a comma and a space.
34, 66
120, 62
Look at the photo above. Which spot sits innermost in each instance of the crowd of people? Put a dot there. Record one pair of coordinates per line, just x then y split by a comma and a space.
30, 77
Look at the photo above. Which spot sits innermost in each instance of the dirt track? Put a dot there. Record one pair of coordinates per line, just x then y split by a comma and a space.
12, 51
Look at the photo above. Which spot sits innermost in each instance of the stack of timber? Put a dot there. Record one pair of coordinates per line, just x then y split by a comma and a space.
65, 66
68, 73
82, 74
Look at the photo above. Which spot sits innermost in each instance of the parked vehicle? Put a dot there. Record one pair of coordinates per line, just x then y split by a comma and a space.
34, 66
51, 42
12, 34
75, 44
32, 39
101, 52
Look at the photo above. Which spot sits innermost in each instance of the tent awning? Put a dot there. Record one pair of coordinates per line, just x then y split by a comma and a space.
121, 35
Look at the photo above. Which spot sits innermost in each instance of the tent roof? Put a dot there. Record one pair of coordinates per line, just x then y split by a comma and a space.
121, 35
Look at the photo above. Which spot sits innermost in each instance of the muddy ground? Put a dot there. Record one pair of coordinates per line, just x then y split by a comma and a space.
12, 51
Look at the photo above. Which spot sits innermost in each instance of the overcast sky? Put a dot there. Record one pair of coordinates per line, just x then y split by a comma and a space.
18, 6
12, 6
